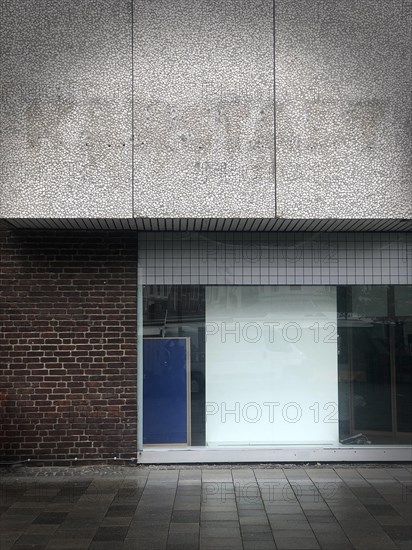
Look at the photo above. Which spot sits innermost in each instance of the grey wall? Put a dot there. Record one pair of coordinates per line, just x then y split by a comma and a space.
202, 90
203, 99
343, 117
65, 108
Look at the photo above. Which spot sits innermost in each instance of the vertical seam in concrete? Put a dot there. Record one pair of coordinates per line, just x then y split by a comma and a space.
274, 107
132, 76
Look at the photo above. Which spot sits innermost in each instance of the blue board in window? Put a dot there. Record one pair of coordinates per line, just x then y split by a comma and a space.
166, 397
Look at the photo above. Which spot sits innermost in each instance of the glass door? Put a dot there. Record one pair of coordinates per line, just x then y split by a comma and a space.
375, 364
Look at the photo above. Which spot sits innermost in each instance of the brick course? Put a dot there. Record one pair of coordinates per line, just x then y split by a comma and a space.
68, 345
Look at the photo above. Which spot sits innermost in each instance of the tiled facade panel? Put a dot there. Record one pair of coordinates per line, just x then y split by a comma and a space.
204, 109
275, 258
65, 109
67, 345
343, 108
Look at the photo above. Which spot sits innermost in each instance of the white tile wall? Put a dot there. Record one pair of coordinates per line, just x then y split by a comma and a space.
275, 258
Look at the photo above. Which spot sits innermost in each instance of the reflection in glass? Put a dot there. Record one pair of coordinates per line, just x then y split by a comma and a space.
375, 364
180, 311
371, 391
403, 345
403, 353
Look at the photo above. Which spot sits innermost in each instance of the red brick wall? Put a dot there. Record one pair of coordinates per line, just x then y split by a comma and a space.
67, 345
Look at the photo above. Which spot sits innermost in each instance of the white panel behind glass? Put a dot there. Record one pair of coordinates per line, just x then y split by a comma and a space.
271, 365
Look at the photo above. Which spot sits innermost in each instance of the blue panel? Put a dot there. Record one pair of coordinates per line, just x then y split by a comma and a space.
165, 395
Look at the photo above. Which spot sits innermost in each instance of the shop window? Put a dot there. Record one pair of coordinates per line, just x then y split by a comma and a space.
279, 365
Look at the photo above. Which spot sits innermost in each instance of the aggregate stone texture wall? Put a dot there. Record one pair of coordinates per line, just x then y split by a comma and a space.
67, 345
195, 81
66, 109
343, 108
204, 111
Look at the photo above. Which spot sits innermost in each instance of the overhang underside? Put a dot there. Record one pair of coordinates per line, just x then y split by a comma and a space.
211, 224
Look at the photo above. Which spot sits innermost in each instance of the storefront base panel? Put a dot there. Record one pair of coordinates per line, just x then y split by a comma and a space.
282, 454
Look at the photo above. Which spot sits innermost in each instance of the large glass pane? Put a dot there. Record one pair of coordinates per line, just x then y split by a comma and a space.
271, 365
369, 301
403, 358
344, 365
371, 376
179, 311
375, 364
364, 364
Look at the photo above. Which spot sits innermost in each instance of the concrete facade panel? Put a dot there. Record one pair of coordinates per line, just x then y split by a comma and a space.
203, 100
201, 77
343, 108
66, 133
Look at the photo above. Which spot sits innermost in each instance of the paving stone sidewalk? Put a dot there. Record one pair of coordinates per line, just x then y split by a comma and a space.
206, 508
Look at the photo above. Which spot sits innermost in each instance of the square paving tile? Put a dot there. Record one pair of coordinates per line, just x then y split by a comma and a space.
107, 546
25, 546
39, 540
399, 532
66, 544
185, 516
108, 534
381, 510
209, 509
119, 510
50, 518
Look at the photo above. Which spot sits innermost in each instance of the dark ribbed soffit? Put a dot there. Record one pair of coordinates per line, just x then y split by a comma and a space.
211, 224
